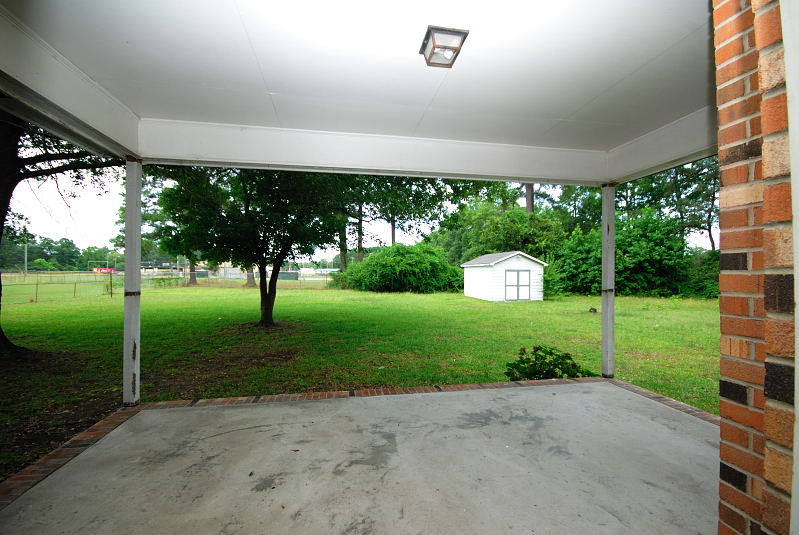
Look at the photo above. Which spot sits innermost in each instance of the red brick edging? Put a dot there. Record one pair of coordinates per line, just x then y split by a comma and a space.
19, 483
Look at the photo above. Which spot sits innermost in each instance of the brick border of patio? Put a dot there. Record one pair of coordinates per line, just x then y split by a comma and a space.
16, 485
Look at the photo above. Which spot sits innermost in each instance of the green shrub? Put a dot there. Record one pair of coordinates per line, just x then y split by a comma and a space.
419, 268
544, 363
650, 257
553, 279
166, 282
703, 274
338, 279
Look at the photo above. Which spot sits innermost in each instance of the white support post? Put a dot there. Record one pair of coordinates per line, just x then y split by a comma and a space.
131, 347
608, 278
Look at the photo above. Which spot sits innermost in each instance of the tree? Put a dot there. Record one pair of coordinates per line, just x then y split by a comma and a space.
28, 152
688, 192
253, 217
486, 228
699, 196
579, 206
151, 216
531, 193
66, 254
407, 202
40, 264
401, 201
92, 256
650, 257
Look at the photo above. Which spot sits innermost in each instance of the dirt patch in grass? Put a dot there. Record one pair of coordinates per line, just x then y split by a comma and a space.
255, 329
45, 399
251, 347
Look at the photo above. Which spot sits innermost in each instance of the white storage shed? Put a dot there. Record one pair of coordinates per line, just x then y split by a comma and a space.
510, 276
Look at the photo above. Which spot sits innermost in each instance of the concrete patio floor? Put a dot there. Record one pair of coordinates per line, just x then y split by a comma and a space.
549, 459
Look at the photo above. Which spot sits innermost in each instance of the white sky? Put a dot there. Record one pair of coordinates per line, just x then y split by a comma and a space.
90, 218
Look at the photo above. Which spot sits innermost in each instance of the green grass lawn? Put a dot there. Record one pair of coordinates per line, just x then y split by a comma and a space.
200, 342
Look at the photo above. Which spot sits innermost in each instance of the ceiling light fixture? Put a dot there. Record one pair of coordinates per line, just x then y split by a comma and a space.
441, 46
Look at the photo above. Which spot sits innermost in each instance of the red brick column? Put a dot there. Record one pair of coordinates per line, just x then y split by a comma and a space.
778, 264
756, 281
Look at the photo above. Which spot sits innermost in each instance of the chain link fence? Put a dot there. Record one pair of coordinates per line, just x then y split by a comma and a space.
35, 287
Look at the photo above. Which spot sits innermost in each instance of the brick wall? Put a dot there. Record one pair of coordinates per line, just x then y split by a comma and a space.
756, 281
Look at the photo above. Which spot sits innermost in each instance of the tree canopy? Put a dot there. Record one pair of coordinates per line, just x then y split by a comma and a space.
29, 152
655, 215
252, 217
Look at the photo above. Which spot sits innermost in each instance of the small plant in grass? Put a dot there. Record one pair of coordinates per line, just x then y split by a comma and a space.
544, 362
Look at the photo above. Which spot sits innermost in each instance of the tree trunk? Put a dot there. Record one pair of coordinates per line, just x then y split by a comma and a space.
250, 278
712, 241
529, 197
342, 248
678, 203
192, 273
393, 231
10, 134
268, 292
359, 253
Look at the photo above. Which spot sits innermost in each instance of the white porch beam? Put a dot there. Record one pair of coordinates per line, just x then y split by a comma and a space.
685, 140
608, 278
168, 141
68, 101
131, 347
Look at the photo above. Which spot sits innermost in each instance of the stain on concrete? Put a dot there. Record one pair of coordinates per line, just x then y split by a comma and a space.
376, 458
559, 451
615, 514
380, 454
651, 484
316, 464
205, 464
184, 447
237, 430
231, 528
364, 526
267, 482
474, 420
536, 430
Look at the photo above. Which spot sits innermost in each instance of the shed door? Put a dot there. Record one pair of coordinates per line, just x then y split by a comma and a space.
517, 285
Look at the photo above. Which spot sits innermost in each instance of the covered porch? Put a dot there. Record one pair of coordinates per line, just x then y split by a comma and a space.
540, 94
593, 94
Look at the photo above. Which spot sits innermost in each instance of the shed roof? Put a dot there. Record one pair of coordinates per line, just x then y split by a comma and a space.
495, 258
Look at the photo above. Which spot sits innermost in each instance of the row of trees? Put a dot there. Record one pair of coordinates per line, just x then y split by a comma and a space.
688, 193
654, 218
265, 218
261, 219
46, 254
652, 256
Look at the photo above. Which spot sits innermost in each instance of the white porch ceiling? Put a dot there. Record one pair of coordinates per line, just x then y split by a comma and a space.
566, 91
